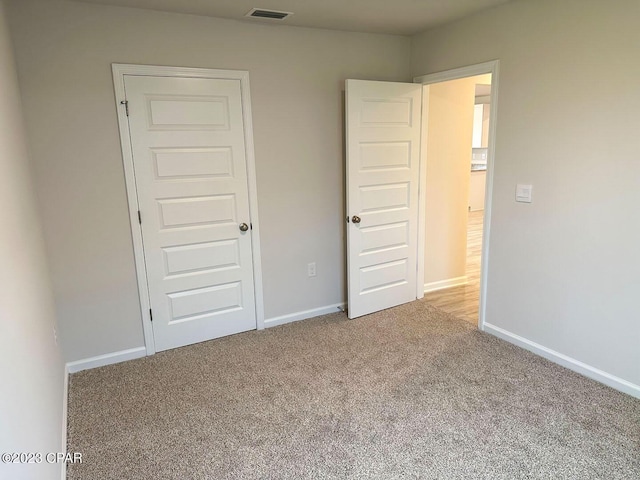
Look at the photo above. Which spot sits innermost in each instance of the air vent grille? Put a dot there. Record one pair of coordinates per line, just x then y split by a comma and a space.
268, 14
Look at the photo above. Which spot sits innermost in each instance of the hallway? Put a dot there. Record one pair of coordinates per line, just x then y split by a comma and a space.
463, 300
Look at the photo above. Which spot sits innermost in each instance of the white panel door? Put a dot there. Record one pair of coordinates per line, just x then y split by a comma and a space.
383, 156
187, 139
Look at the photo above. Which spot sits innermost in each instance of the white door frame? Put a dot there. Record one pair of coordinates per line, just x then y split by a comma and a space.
491, 67
119, 72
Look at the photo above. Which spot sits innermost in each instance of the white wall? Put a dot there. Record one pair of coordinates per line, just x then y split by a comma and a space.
563, 271
31, 401
64, 51
448, 163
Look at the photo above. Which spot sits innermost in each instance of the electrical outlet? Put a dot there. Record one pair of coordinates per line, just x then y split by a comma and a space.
311, 269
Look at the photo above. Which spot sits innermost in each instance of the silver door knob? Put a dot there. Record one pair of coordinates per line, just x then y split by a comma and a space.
243, 227
355, 219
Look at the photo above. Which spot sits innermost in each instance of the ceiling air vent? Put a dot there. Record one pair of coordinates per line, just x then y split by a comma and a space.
268, 14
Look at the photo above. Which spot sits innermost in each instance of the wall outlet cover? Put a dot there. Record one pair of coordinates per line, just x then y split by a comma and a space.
311, 269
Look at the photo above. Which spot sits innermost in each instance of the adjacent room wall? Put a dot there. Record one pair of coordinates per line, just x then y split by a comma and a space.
563, 270
448, 164
31, 403
64, 52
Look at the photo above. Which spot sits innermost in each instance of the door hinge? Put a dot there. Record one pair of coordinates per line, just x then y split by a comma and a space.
139, 217
126, 106
151, 314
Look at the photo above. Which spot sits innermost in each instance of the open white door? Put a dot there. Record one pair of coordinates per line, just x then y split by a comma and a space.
383, 161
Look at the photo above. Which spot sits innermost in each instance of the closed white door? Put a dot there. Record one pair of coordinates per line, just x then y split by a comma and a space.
187, 139
383, 156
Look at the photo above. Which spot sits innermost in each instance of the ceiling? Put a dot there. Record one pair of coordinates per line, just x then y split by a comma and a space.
401, 17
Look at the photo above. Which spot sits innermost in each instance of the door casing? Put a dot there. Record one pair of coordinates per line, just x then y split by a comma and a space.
119, 73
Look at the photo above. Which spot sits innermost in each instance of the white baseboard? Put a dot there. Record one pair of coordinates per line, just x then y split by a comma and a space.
107, 359
294, 317
442, 284
65, 403
568, 362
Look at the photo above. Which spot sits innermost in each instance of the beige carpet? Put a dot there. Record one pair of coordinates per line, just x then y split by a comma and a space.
406, 393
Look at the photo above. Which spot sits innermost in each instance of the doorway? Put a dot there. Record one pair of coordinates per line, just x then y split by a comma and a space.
458, 159
375, 110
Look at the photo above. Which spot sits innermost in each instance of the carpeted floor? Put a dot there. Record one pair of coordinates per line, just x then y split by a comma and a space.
409, 392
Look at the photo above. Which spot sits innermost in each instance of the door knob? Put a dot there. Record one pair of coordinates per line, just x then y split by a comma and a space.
355, 219
243, 227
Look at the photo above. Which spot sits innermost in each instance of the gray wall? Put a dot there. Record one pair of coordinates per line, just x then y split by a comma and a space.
31, 401
64, 51
564, 270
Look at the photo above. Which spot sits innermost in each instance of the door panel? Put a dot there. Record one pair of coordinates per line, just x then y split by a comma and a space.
201, 257
383, 147
187, 138
193, 163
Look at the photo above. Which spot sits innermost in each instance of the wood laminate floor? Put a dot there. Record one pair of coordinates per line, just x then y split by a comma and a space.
463, 301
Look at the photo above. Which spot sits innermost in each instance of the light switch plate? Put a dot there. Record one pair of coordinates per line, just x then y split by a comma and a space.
523, 193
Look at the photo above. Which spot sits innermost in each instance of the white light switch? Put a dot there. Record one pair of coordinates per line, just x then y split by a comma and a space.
523, 193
